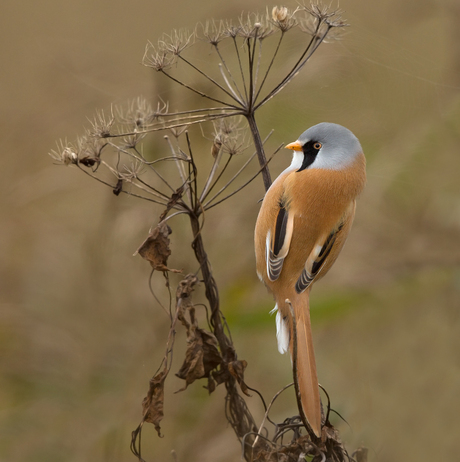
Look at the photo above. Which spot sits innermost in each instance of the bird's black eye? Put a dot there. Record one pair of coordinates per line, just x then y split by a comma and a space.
318, 146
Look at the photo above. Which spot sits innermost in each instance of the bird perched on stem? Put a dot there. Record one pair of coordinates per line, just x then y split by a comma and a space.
302, 226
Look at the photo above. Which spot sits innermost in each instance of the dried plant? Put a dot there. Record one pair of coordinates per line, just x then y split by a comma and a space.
243, 73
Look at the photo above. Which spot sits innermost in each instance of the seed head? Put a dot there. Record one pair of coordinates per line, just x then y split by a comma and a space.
65, 153
158, 57
101, 124
177, 41
69, 157
322, 23
283, 19
137, 114
255, 25
279, 13
214, 32
324, 14
229, 137
232, 30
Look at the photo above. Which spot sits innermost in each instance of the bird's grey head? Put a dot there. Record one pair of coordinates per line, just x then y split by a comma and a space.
326, 145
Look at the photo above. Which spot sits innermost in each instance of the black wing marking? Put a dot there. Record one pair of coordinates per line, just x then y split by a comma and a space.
280, 229
274, 266
309, 274
304, 281
278, 249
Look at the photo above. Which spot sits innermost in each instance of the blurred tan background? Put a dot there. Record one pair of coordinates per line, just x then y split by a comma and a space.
80, 334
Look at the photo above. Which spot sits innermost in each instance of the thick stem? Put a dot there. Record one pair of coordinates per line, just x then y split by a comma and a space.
260, 150
237, 412
211, 291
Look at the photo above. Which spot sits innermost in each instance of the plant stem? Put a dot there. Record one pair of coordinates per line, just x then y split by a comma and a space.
237, 412
260, 150
211, 291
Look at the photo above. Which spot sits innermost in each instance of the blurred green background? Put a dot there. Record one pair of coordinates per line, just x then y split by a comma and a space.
80, 334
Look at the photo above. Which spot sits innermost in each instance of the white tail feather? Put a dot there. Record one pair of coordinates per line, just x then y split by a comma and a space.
282, 332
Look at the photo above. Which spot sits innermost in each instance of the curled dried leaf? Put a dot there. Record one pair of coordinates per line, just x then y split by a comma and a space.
88, 161
201, 358
156, 249
215, 149
118, 187
211, 384
184, 291
236, 368
184, 301
153, 403
175, 198
202, 355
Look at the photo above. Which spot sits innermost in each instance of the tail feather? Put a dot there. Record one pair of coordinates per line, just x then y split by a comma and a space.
304, 364
282, 332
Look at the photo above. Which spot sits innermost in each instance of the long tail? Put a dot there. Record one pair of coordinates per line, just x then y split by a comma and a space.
304, 364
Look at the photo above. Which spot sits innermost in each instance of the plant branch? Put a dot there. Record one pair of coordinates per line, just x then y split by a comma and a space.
298, 66
260, 150
217, 84
237, 51
198, 92
207, 207
269, 66
228, 71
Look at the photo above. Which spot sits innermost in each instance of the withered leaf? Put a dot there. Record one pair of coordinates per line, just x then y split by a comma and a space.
211, 384
152, 404
211, 353
184, 293
175, 197
236, 368
156, 249
220, 375
201, 357
118, 187
216, 146
88, 161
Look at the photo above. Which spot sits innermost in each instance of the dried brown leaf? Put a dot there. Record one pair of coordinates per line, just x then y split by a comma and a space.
152, 404
184, 294
211, 384
156, 249
236, 368
216, 146
201, 357
174, 199
88, 161
118, 187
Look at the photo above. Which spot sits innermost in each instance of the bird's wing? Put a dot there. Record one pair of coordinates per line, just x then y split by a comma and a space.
317, 258
277, 247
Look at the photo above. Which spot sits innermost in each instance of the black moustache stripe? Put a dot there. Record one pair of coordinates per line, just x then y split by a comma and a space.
309, 154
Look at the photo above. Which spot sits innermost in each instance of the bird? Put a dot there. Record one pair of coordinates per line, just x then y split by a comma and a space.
302, 225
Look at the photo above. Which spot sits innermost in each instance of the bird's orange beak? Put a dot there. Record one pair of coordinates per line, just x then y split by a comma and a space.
295, 146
